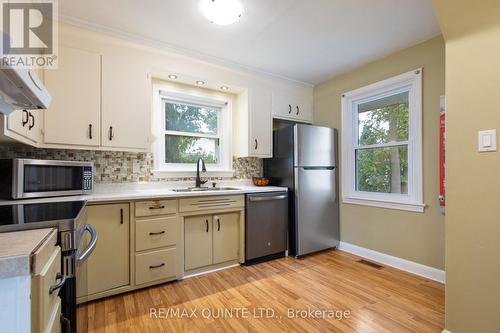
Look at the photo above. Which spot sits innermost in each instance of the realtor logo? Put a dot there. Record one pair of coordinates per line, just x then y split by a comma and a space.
29, 34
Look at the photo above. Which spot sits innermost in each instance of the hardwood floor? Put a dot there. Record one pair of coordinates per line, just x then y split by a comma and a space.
366, 299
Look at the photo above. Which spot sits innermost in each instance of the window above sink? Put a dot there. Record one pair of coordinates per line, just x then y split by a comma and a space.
190, 123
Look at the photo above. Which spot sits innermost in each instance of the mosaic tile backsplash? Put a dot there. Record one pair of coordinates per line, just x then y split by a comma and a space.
116, 167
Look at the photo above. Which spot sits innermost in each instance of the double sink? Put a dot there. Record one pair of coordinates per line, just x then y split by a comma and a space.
204, 189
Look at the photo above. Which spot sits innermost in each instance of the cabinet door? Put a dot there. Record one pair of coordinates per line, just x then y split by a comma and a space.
260, 122
283, 106
126, 103
73, 117
34, 127
108, 266
17, 122
197, 242
226, 237
292, 107
304, 109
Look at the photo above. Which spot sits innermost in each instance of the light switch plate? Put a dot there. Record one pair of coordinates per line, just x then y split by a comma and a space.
487, 140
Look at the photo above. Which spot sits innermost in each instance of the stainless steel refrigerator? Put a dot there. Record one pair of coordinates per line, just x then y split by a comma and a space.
305, 160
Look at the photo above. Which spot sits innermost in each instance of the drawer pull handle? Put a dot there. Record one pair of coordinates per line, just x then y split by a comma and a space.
156, 207
157, 233
58, 285
218, 224
157, 266
206, 221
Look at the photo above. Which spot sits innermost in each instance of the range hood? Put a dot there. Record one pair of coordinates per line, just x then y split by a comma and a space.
22, 89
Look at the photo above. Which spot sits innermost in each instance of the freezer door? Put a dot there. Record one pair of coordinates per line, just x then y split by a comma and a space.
315, 146
317, 209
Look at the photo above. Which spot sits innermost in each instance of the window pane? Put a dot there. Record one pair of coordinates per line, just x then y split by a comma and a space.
383, 120
383, 170
187, 149
191, 118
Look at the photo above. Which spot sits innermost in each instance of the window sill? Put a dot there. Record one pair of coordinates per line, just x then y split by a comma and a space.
410, 207
191, 173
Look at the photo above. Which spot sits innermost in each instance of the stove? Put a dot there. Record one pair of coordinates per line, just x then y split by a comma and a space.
70, 218
60, 215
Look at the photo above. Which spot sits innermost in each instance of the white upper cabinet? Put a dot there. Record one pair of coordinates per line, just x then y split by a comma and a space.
126, 102
73, 117
252, 125
260, 124
25, 125
293, 107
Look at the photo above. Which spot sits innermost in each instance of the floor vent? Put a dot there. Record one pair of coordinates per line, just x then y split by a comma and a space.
370, 263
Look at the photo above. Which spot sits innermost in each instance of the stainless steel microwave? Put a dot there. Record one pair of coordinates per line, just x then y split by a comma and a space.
28, 178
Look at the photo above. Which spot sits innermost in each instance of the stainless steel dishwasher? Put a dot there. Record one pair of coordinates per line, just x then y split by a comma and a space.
266, 226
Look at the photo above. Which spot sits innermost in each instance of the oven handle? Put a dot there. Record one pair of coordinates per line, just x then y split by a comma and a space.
93, 241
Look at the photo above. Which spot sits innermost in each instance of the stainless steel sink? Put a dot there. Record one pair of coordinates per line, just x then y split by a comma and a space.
204, 189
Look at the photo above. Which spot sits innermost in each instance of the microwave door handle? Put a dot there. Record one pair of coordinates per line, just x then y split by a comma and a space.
93, 242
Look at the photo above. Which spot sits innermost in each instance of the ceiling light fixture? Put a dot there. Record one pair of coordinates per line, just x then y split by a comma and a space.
221, 12
200, 83
172, 77
224, 88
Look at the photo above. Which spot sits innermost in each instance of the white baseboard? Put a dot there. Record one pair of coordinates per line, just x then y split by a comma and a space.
446, 331
402, 264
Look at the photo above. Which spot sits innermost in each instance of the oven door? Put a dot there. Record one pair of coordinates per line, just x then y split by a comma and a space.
41, 178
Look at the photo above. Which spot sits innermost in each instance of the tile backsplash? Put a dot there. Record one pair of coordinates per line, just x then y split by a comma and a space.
116, 167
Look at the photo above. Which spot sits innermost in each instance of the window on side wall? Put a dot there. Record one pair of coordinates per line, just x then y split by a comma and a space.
382, 144
189, 127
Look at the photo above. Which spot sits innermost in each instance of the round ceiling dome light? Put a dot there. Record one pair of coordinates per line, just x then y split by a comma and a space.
222, 12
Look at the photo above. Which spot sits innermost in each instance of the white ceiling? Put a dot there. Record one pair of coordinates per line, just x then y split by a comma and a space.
303, 40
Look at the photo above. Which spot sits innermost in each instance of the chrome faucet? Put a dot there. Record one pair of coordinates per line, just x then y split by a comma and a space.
200, 182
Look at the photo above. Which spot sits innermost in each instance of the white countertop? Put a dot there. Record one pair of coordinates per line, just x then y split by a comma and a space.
16, 249
151, 190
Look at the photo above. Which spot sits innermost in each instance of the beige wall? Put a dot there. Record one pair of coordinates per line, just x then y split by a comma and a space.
472, 33
418, 237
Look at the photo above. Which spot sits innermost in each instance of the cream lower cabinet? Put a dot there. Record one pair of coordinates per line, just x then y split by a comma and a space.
108, 267
156, 237
211, 239
198, 242
45, 284
225, 237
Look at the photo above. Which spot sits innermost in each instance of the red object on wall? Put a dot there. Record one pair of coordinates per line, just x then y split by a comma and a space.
442, 150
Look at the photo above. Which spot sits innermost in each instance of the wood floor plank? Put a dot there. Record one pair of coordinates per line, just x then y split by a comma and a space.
376, 300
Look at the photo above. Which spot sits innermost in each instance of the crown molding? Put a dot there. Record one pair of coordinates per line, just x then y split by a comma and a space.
163, 46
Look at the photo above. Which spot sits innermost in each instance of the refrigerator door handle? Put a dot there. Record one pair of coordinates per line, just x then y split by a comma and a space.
318, 168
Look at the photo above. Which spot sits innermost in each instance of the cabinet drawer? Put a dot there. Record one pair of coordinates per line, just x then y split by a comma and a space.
211, 202
155, 233
155, 265
44, 303
155, 207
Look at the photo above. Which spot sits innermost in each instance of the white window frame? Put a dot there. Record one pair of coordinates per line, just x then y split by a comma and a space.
195, 96
413, 201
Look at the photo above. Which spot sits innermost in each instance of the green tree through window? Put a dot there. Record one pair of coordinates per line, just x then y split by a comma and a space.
192, 131
382, 154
